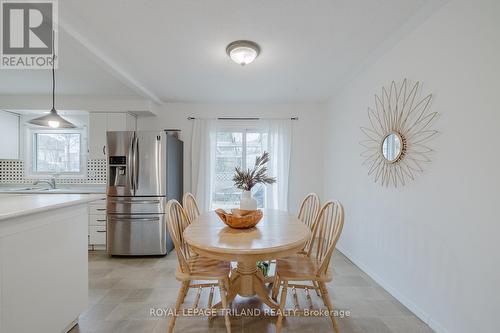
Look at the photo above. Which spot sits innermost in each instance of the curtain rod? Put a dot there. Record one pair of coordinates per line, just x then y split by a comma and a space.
240, 118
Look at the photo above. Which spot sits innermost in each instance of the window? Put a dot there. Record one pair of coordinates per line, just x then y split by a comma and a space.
218, 146
236, 148
55, 152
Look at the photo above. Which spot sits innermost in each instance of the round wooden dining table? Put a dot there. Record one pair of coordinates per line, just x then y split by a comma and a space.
277, 235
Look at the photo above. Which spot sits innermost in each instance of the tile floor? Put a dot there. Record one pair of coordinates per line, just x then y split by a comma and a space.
123, 290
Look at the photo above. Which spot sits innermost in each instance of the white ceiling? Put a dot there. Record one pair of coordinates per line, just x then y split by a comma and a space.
78, 74
174, 50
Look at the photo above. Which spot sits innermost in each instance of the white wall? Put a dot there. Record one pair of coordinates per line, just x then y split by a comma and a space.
306, 160
433, 243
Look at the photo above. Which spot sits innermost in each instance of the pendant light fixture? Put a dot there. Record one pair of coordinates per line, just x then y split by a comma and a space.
243, 52
53, 119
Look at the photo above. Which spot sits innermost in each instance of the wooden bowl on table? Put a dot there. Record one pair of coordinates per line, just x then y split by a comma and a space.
240, 219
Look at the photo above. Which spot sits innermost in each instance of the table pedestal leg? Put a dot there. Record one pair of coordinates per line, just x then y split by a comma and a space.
247, 280
252, 282
247, 273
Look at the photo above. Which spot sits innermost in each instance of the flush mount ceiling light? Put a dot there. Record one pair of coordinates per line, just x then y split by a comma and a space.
53, 119
243, 52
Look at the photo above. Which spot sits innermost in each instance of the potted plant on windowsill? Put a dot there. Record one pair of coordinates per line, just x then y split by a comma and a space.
245, 180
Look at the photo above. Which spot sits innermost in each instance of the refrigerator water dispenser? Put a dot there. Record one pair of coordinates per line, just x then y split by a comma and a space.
118, 171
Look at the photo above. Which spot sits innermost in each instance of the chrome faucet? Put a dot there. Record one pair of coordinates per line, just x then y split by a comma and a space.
51, 182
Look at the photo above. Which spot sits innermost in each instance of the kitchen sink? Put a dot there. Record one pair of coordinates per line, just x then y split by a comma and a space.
34, 189
19, 189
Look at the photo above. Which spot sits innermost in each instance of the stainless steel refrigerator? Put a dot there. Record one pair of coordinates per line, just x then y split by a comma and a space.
144, 172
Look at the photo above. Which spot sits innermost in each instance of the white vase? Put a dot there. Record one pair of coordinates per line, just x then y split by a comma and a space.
247, 202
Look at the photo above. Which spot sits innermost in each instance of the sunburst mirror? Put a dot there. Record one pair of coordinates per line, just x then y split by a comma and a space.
396, 144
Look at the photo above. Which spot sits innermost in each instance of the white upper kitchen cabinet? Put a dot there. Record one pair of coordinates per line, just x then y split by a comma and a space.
100, 123
97, 135
9, 135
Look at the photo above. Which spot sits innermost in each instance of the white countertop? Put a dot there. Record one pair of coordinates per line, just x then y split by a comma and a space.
60, 189
16, 205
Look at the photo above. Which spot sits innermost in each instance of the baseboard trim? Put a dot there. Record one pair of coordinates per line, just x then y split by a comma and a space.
424, 316
70, 326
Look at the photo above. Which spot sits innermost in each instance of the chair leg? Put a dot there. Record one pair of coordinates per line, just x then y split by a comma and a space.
281, 313
222, 288
276, 287
328, 304
316, 288
178, 302
185, 291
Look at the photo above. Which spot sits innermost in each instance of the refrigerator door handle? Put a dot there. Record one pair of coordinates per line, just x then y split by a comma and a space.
134, 201
136, 164
141, 219
158, 162
132, 165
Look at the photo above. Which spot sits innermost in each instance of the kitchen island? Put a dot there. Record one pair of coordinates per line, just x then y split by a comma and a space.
43, 261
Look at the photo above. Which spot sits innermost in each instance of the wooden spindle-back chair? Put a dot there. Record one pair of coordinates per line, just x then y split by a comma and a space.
314, 265
194, 267
308, 211
190, 206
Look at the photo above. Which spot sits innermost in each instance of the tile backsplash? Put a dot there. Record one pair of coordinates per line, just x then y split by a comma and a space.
12, 172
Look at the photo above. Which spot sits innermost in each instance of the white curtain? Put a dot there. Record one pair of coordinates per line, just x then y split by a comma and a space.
279, 147
203, 141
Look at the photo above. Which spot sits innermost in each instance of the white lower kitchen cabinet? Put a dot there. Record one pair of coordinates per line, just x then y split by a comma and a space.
97, 236
97, 225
